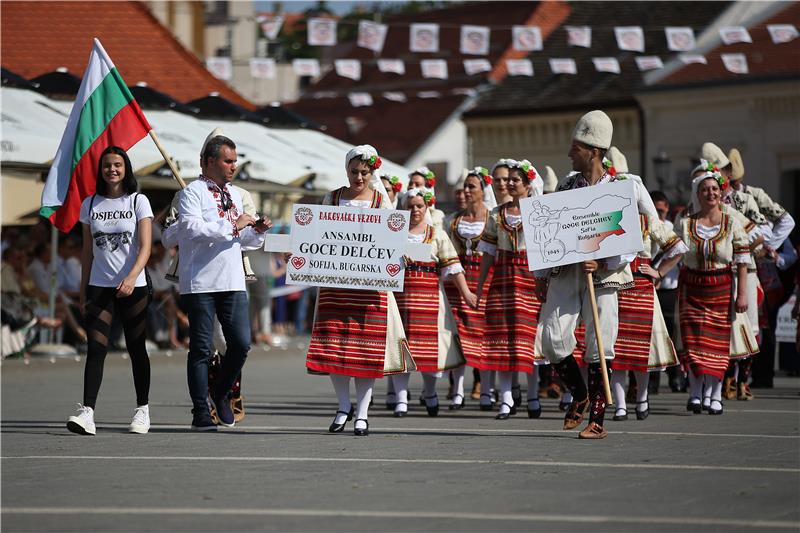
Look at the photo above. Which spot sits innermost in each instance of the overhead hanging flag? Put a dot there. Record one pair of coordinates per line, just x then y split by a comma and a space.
563, 65
519, 67
371, 35
434, 68
475, 40
360, 99
270, 26
348, 68
649, 62
306, 67
321, 32
782, 33
423, 38
220, 67
606, 64
262, 68
396, 66
526, 38
735, 34
693, 58
104, 114
736, 63
476, 66
680, 39
630, 38
579, 36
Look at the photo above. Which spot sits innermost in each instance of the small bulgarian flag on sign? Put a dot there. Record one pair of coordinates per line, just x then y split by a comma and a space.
104, 114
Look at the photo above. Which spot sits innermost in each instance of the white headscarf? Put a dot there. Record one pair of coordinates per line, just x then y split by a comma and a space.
489, 199
710, 172
366, 152
503, 163
411, 193
537, 183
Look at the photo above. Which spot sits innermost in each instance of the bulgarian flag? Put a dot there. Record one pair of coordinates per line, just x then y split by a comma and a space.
104, 114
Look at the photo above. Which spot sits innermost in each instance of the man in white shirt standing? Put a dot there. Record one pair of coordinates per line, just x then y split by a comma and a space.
212, 230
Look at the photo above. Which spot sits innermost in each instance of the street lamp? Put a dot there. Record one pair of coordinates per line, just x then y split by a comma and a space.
662, 164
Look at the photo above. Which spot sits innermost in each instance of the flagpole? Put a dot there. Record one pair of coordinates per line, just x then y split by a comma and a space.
167, 158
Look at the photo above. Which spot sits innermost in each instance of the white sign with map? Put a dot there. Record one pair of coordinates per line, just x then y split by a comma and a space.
581, 224
348, 247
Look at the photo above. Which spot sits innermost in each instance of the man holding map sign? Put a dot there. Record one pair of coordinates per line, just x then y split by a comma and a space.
567, 296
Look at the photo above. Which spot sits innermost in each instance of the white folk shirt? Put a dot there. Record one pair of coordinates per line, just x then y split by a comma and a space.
209, 245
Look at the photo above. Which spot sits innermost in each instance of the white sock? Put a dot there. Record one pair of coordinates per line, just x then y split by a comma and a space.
533, 384
341, 384
708, 385
504, 380
695, 387
363, 395
429, 389
715, 386
618, 391
458, 382
400, 382
642, 381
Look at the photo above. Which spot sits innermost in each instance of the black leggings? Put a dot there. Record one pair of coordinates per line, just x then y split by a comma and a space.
102, 305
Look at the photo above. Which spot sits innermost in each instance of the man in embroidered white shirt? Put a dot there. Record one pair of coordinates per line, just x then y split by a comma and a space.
212, 232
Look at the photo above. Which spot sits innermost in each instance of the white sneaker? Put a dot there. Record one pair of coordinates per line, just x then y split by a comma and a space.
83, 423
141, 420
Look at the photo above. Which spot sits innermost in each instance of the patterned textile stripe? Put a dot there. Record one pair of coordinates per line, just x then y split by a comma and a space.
419, 310
349, 335
580, 347
632, 349
471, 322
512, 315
705, 319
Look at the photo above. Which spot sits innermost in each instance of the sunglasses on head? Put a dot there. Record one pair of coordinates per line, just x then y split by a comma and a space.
227, 201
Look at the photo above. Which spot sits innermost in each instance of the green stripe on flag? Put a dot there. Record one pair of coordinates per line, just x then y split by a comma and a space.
102, 106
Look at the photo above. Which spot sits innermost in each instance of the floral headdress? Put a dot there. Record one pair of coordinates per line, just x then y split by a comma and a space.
482, 173
609, 166
509, 163
430, 177
366, 153
394, 181
426, 194
711, 170
525, 166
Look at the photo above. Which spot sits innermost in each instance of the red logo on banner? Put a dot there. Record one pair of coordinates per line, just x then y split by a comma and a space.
298, 262
303, 216
393, 269
396, 222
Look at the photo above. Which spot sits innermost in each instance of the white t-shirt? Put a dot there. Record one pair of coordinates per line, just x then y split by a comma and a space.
115, 245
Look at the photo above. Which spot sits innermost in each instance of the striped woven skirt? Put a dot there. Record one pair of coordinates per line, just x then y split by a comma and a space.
349, 335
471, 322
512, 315
632, 349
705, 318
419, 311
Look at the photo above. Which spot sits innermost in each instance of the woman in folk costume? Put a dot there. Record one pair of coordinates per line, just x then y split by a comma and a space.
500, 172
465, 229
512, 308
357, 333
643, 342
393, 187
424, 178
424, 308
713, 291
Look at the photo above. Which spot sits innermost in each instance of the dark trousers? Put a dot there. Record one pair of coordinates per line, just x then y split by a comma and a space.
231, 309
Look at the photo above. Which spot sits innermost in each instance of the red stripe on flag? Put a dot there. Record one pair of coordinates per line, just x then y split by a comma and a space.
125, 130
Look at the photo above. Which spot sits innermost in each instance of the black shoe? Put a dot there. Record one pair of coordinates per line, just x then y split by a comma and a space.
456, 406
222, 405
641, 415
422, 400
432, 410
534, 413
704, 404
516, 395
401, 414
202, 422
361, 432
622, 417
713, 411
694, 407
486, 406
338, 428
390, 405
505, 416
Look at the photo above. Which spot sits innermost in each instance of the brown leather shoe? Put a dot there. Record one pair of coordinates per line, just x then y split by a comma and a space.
476, 391
729, 389
575, 413
593, 431
237, 406
744, 392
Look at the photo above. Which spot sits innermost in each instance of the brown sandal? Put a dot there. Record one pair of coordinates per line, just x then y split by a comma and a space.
237, 406
575, 413
593, 431
744, 393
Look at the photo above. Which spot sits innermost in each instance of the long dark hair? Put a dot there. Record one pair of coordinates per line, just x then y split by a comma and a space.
129, 184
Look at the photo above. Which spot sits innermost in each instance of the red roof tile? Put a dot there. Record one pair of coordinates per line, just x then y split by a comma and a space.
39, 37
764, 58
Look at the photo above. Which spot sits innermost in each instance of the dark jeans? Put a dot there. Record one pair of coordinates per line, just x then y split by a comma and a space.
231, 309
